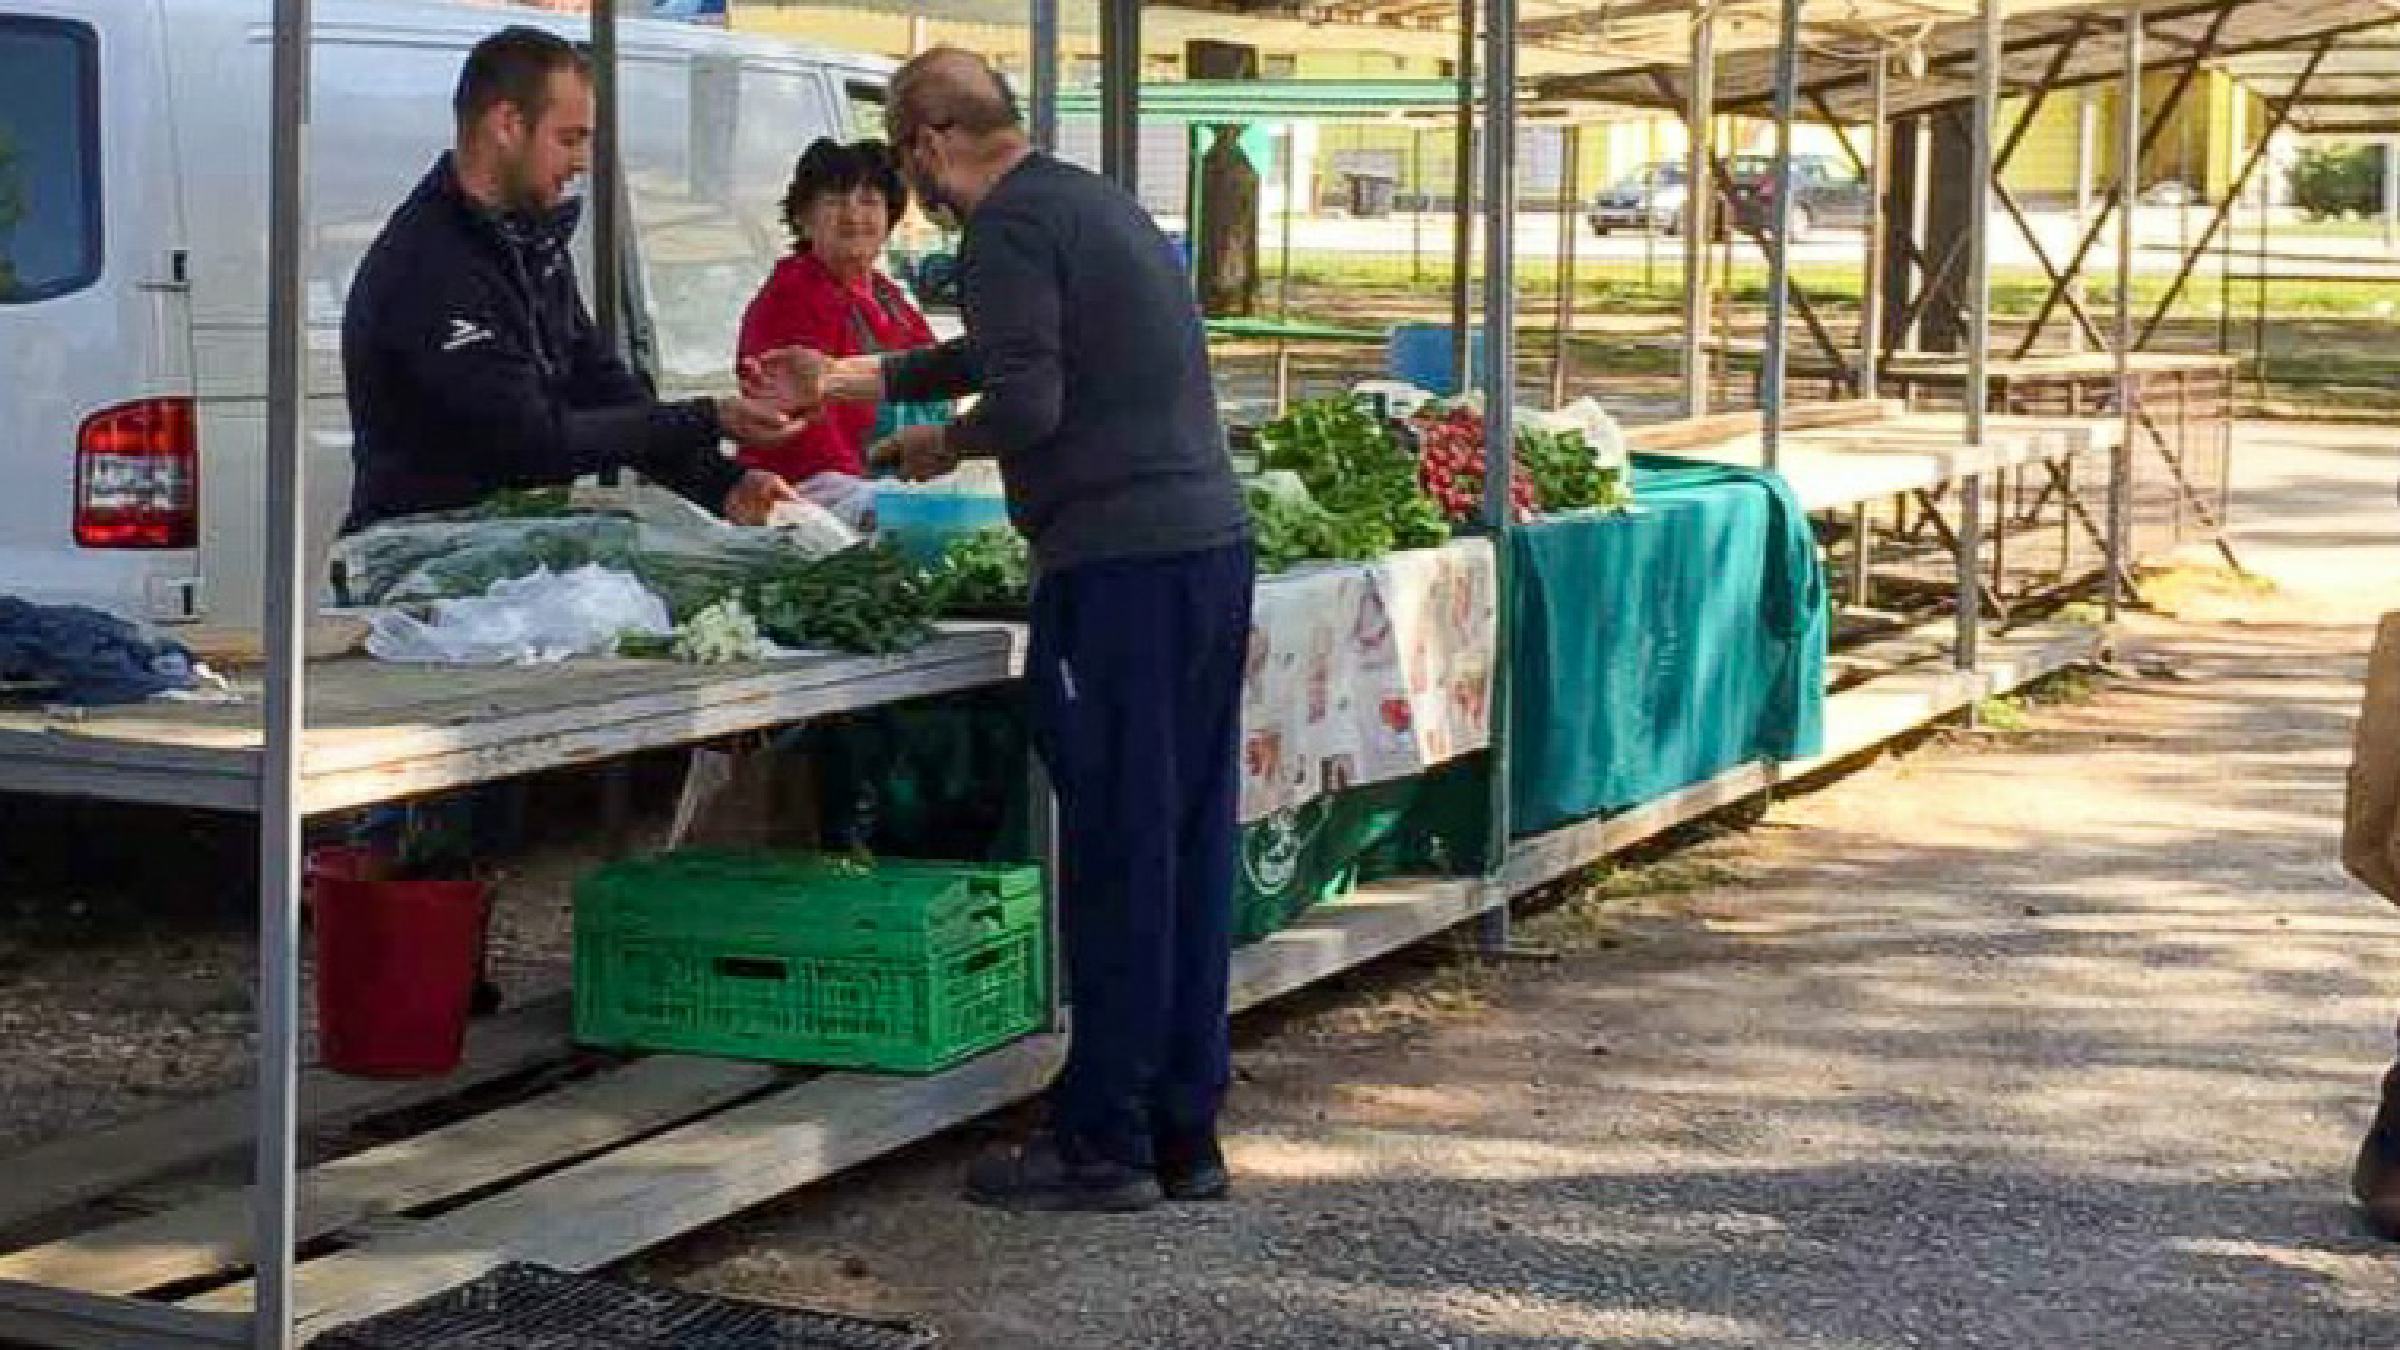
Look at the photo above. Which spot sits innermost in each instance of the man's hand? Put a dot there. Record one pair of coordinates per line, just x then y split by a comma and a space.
754, 421
754, 498
791, 378
919, 452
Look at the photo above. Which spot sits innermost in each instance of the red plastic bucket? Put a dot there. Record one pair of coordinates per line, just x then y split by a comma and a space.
396, 967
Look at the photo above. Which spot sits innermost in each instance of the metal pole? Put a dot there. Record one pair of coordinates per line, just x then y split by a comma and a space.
1416, 217
2391, 194
1699, 214
286, 605
1499, 386
1462, 209
1283, 284
2120, 464
1879, 188
2258, 330
1570, 189
1121, 92
1779, 236
608, 239
2087, 141
1979, 330
1042, 35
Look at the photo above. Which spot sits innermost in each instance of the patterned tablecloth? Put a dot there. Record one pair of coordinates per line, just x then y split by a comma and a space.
1367, 672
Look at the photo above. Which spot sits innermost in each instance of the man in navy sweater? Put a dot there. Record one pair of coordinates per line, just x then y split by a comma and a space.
1096, 399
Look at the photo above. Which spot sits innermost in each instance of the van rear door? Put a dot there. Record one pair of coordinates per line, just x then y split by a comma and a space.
98, 454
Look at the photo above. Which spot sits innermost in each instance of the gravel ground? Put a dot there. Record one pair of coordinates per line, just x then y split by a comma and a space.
2054, 1037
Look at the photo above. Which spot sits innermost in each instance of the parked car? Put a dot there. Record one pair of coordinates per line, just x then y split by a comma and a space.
2171, 192
1825, 191
133, 164
1651, 198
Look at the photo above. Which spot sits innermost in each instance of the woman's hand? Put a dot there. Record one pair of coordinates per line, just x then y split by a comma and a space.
919, 452
756, 496
792, 378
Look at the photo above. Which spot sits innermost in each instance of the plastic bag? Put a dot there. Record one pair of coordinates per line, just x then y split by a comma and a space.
846, 501
1599, 428
691, 558
534, 620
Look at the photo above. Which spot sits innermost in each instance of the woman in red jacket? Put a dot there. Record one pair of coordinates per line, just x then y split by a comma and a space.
829, 296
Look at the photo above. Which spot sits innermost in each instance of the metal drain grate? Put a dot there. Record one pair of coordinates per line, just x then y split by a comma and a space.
521, 1307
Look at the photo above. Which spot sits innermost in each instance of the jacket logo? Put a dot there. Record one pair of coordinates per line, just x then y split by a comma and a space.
465, 333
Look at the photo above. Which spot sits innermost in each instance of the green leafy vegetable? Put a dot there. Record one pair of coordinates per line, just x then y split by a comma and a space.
986, 570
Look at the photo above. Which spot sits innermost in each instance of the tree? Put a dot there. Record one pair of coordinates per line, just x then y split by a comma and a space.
2338, 180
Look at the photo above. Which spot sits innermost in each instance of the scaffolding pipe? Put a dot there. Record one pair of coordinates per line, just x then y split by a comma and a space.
2120, 462
1879, 188
1499, 396
1570, 188
1121, 93
2087, 144
1042, 36
1988, 55
1462, 210
1779, 237
608, 221
1699, 213
275, 1180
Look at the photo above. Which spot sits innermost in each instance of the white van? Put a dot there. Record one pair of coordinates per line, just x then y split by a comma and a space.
133, 236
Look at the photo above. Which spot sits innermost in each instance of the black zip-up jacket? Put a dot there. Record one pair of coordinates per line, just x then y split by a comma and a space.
473, 366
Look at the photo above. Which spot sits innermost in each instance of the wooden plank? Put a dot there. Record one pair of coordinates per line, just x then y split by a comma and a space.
379, 732
601, 1211
1341, 934
213, 1234
529, 704
66, 1320
1685, 433
53, 1176
500, 749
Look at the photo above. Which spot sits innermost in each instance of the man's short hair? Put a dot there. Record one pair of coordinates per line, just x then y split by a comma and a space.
514, 66
950, 89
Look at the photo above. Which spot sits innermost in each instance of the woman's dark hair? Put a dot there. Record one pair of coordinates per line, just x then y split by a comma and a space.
829, 167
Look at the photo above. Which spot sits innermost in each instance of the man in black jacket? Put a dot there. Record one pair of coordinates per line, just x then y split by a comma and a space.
471, 362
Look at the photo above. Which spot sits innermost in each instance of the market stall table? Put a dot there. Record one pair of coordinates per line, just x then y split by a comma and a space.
380, 732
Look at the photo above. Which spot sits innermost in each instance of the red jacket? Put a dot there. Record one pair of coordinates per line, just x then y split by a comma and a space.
803, 304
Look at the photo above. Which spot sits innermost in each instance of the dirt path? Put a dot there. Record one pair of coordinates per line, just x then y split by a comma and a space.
2055, 1037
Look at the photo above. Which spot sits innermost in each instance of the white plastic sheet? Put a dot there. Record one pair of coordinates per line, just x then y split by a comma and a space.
534, 620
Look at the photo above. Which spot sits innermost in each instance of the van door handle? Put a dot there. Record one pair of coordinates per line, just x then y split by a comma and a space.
178, 280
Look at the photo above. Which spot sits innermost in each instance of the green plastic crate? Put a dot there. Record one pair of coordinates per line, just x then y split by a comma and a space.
899, 966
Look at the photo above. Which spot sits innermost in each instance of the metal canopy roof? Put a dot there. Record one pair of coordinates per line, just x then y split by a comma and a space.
2063, 46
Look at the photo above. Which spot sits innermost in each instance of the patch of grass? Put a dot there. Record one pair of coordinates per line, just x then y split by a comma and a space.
2062, 688
2006, 714
1591, 912
2202, 592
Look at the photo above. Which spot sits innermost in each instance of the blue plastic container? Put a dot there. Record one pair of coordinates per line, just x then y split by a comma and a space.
924, 523
1420, 354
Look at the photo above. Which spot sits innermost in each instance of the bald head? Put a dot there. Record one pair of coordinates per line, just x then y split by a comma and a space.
947, 89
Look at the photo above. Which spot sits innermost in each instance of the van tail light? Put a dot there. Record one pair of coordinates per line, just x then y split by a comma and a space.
137, 476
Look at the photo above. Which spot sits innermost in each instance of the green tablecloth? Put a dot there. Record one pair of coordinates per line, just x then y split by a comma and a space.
945, 778
1656, 650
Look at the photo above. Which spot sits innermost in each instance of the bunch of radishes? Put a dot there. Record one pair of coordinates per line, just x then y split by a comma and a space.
1450, 464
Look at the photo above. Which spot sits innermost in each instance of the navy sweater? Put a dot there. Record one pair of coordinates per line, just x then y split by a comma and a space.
1084, 342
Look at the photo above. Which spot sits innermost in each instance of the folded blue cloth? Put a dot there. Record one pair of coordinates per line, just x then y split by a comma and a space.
87, 657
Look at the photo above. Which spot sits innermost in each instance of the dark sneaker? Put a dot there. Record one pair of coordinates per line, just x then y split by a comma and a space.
1192, 1169
2375, 1181
1039, 1178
